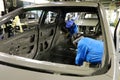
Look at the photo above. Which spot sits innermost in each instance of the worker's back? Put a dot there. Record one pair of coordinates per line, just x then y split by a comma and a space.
89, 50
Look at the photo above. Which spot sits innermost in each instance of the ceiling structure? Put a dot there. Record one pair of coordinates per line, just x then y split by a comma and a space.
106, 3
19, 3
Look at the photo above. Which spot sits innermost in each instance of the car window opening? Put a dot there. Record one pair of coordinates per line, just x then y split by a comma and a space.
58, 42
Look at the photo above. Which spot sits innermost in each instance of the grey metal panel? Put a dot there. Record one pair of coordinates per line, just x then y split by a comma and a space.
10, 73
55, 4
47, 66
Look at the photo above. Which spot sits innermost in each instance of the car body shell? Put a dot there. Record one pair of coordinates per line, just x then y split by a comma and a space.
18, 68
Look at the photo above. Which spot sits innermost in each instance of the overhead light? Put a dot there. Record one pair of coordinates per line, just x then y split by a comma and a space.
36, 1
2, 5
118, 10
41, 1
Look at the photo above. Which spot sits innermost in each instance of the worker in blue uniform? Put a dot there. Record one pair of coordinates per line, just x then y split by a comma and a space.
89, 50
72, 27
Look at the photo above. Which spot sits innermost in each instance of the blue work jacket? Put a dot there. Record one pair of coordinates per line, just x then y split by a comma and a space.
89, 50
72, 27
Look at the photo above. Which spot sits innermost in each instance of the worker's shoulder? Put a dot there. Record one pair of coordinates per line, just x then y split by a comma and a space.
89, 41
83, 41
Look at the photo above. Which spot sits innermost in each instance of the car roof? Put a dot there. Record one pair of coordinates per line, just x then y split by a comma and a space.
65, 4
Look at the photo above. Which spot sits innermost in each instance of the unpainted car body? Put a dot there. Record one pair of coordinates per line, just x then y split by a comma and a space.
50, 51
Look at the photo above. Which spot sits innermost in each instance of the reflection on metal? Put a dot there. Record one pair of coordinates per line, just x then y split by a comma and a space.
117, 44
118, 37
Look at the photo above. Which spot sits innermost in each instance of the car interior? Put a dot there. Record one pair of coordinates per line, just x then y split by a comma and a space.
42, 35
64, 50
